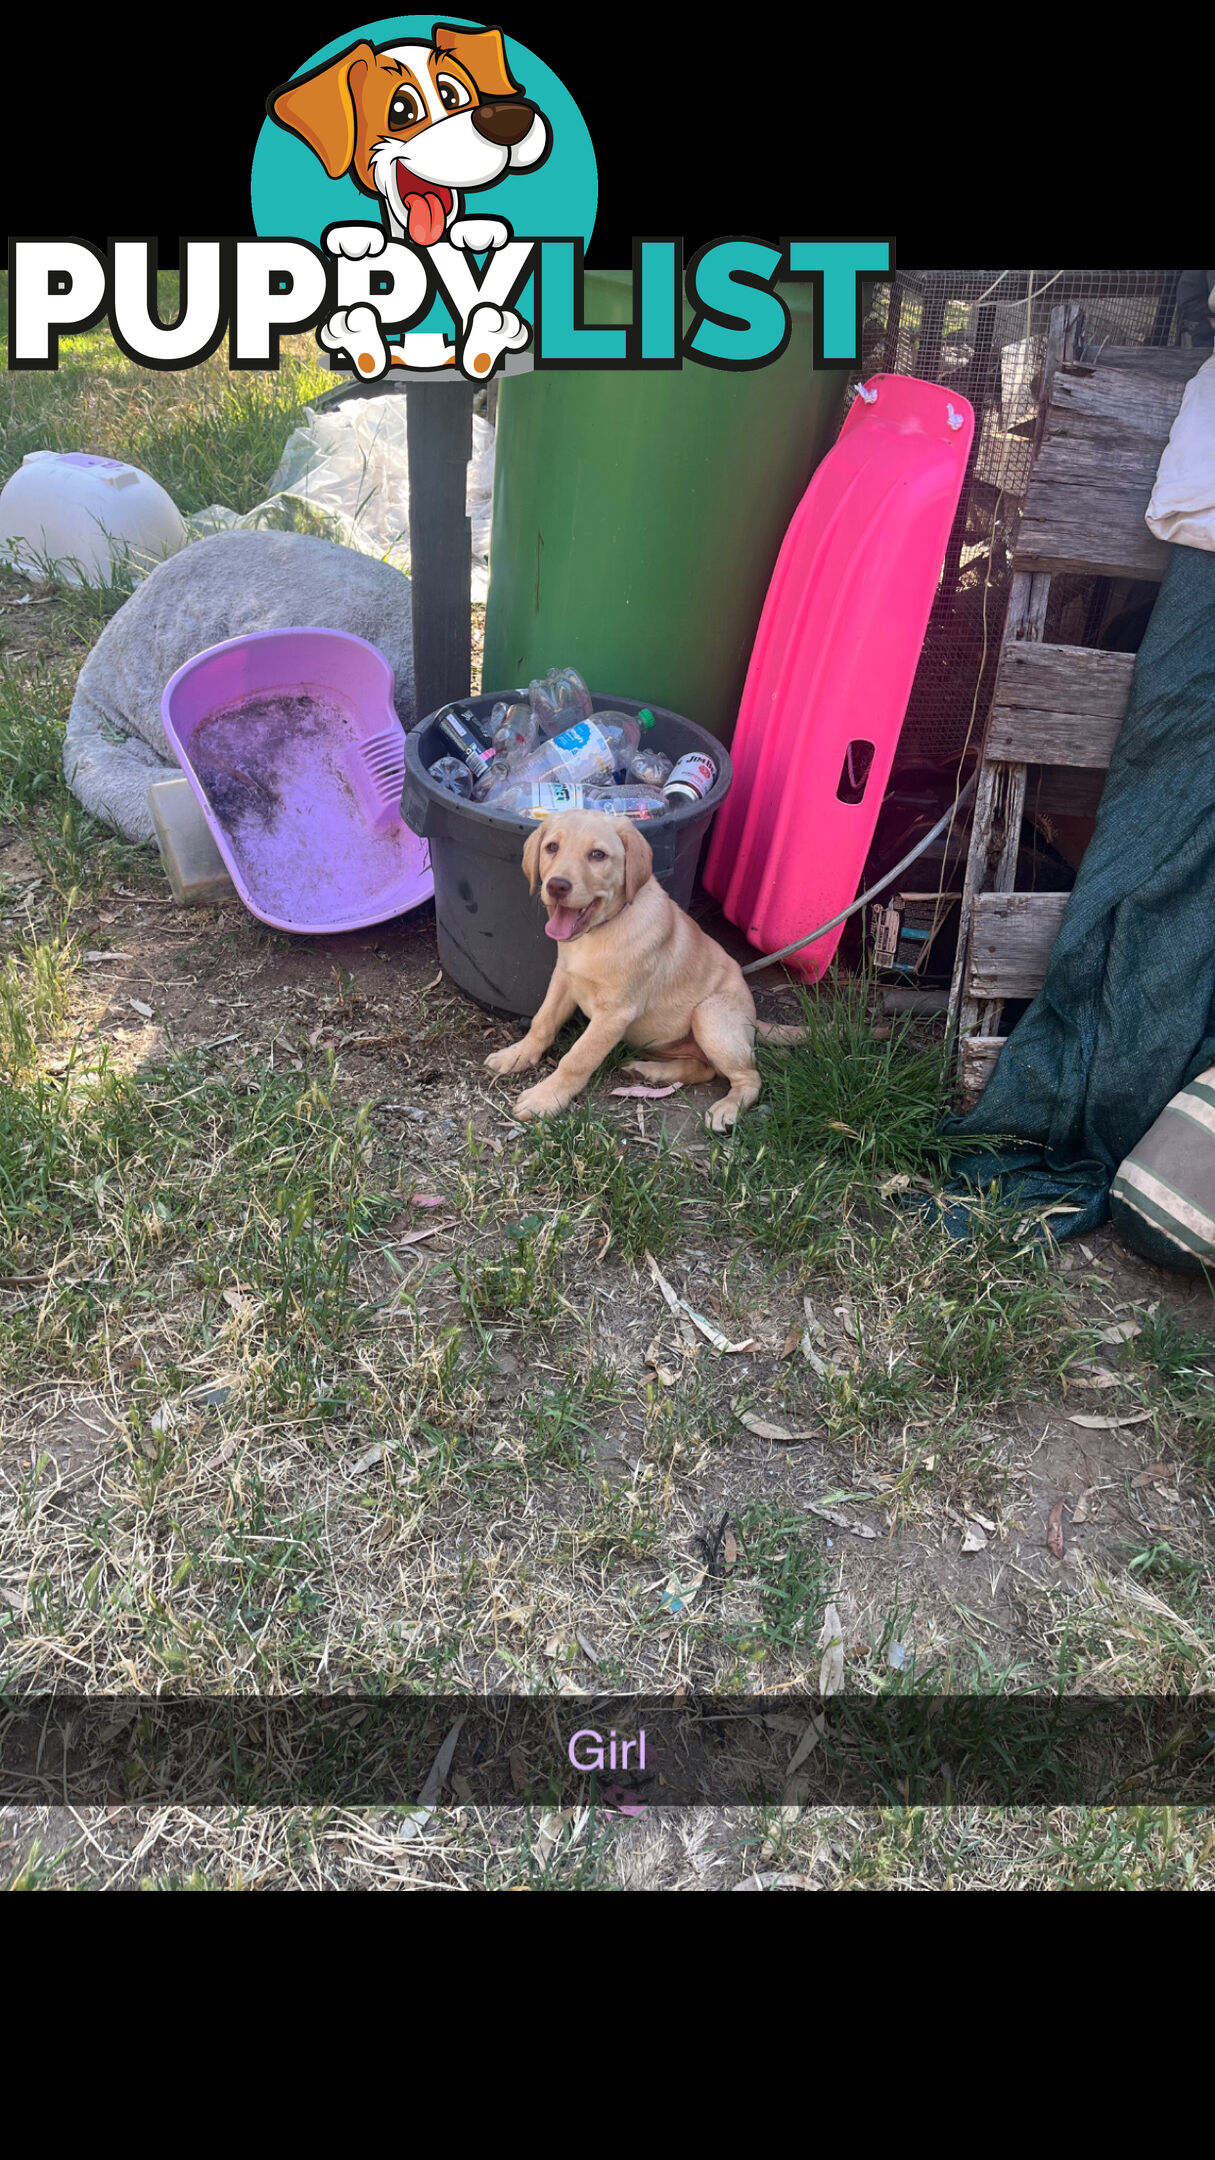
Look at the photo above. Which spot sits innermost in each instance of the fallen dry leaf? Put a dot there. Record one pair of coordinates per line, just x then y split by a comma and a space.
773, 1882
832, 1515
805, 1746
427, 1199
973, 1538
91, 959
412, 1824
368, 1461
415, 1237
984, 1521
137, 1005
1121, 1331
1154, 1473
518, 1770
765, 1431
831, 1643
663, 1373
1109, 1424
680, 1305
1054, 1530
586, 1646
793, 1339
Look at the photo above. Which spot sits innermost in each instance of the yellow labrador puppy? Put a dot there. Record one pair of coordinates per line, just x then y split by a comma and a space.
638, 967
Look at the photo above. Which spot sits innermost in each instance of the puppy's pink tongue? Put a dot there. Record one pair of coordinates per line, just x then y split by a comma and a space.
563, 922
426, 219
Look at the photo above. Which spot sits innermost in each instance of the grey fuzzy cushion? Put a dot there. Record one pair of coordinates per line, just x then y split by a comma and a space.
214, 589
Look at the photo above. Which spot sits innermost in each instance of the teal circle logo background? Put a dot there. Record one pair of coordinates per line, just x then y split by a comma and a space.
292, 194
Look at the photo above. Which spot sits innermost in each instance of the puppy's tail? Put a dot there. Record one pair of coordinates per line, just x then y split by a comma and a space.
769, 1032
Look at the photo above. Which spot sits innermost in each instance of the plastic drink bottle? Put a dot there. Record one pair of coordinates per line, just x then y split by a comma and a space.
691, 779
453, 775
559, 699
538, 798
591, 750
515, 732
651, 768
630, 802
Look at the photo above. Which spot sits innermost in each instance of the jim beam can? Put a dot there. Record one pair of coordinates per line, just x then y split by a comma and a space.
691, 779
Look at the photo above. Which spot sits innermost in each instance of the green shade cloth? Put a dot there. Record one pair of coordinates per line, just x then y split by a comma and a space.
1126, 1015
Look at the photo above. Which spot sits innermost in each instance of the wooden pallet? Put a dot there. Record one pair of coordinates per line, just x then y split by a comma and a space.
1057, 709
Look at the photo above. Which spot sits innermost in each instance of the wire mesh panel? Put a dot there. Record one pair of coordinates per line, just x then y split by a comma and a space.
984, 333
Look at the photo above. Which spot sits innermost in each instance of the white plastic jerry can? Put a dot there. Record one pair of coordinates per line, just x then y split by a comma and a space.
77, 517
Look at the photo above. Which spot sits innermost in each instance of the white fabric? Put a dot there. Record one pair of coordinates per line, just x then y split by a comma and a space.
1182, 508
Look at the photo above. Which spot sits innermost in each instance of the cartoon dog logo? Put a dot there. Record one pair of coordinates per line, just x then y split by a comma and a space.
418, 126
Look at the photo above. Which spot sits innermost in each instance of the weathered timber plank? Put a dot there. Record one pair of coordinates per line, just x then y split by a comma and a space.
1112, 405
1011, 938
1096, 537
1058, 704
1049, 738
979, 1057
1171, 363
1066, 679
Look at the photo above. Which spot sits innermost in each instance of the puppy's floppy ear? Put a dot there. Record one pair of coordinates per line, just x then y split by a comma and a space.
531, 858
483, 54
320, 108
638, 860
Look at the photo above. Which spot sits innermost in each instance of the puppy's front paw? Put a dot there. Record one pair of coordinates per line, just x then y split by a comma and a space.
476, 235
723, 1117
547, 1100
356, 332
516, 1058
490, 332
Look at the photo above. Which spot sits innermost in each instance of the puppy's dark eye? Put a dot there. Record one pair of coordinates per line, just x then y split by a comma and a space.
453, 94
550, 847
405, 108
597, 854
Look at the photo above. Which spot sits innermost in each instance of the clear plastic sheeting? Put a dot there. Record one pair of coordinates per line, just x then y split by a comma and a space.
344, 476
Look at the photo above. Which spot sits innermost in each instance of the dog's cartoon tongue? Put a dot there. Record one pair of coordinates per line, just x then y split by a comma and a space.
565, 922
425, 208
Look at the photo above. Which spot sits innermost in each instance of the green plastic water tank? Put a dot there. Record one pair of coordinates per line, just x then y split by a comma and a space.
638, 515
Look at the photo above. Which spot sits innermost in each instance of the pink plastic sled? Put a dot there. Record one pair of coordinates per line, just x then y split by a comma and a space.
833, 664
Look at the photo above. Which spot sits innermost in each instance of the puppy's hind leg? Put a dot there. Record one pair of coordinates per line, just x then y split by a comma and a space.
727, 1038
663, 1071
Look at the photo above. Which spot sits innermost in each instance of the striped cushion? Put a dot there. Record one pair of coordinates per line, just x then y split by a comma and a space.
1163, 1196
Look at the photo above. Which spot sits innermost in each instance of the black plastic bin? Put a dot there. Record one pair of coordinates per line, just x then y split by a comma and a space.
491, 930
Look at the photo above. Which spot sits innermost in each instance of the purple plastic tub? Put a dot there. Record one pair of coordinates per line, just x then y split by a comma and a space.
291, 743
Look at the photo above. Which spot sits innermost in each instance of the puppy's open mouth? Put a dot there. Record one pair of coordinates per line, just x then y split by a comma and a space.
568, 922
427, 206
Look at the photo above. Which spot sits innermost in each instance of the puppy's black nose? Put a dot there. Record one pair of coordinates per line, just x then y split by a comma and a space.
503, 124
557, 887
